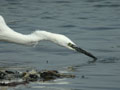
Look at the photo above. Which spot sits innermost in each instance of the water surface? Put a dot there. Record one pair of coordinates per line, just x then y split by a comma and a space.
92, 24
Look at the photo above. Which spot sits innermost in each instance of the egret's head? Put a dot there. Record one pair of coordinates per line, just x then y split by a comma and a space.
66, 42
63, 41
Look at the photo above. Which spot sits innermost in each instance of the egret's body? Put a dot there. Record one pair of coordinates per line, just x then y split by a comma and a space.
9, 35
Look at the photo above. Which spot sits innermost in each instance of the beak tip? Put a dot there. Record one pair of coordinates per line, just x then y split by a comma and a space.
78, 49
86, 53
95, 58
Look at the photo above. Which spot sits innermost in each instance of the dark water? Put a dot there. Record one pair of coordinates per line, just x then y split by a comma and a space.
92, 24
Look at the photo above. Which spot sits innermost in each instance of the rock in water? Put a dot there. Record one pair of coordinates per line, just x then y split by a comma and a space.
14, 78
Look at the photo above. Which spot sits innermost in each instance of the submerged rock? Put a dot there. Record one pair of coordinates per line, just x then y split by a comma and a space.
13, 78
49, 75
2, 75
31, 75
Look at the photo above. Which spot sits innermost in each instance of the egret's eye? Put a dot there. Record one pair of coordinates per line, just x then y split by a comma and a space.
71, 45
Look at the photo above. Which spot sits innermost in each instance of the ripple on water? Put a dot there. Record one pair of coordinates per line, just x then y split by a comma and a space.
108, 59
103, 5
62, 1
100, 28
84, 18
106, 50
56, 1
68, 26
48, 17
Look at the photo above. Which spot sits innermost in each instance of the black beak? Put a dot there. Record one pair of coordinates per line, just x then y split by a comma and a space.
78, 49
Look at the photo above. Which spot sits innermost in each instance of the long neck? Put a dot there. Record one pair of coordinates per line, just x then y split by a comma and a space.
9, 35
44, 35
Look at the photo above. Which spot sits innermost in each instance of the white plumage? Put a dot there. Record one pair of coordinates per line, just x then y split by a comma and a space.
9, 35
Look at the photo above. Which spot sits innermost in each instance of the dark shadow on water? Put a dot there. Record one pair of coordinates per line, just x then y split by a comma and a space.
108, 59
91, 1
62, 1
105, 50
48, 17
68, 26
103, 6
100, 28
56, 2
78, 66
13, 2
104, 60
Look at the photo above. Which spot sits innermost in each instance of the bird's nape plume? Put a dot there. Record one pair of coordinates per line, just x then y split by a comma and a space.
78, 49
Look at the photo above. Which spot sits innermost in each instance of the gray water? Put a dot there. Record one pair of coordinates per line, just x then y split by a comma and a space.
94, 25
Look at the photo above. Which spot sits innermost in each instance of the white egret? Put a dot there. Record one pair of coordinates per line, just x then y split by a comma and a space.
9, 35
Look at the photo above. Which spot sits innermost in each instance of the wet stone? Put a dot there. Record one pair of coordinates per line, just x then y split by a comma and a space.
14, 78
2, 75
49, 75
